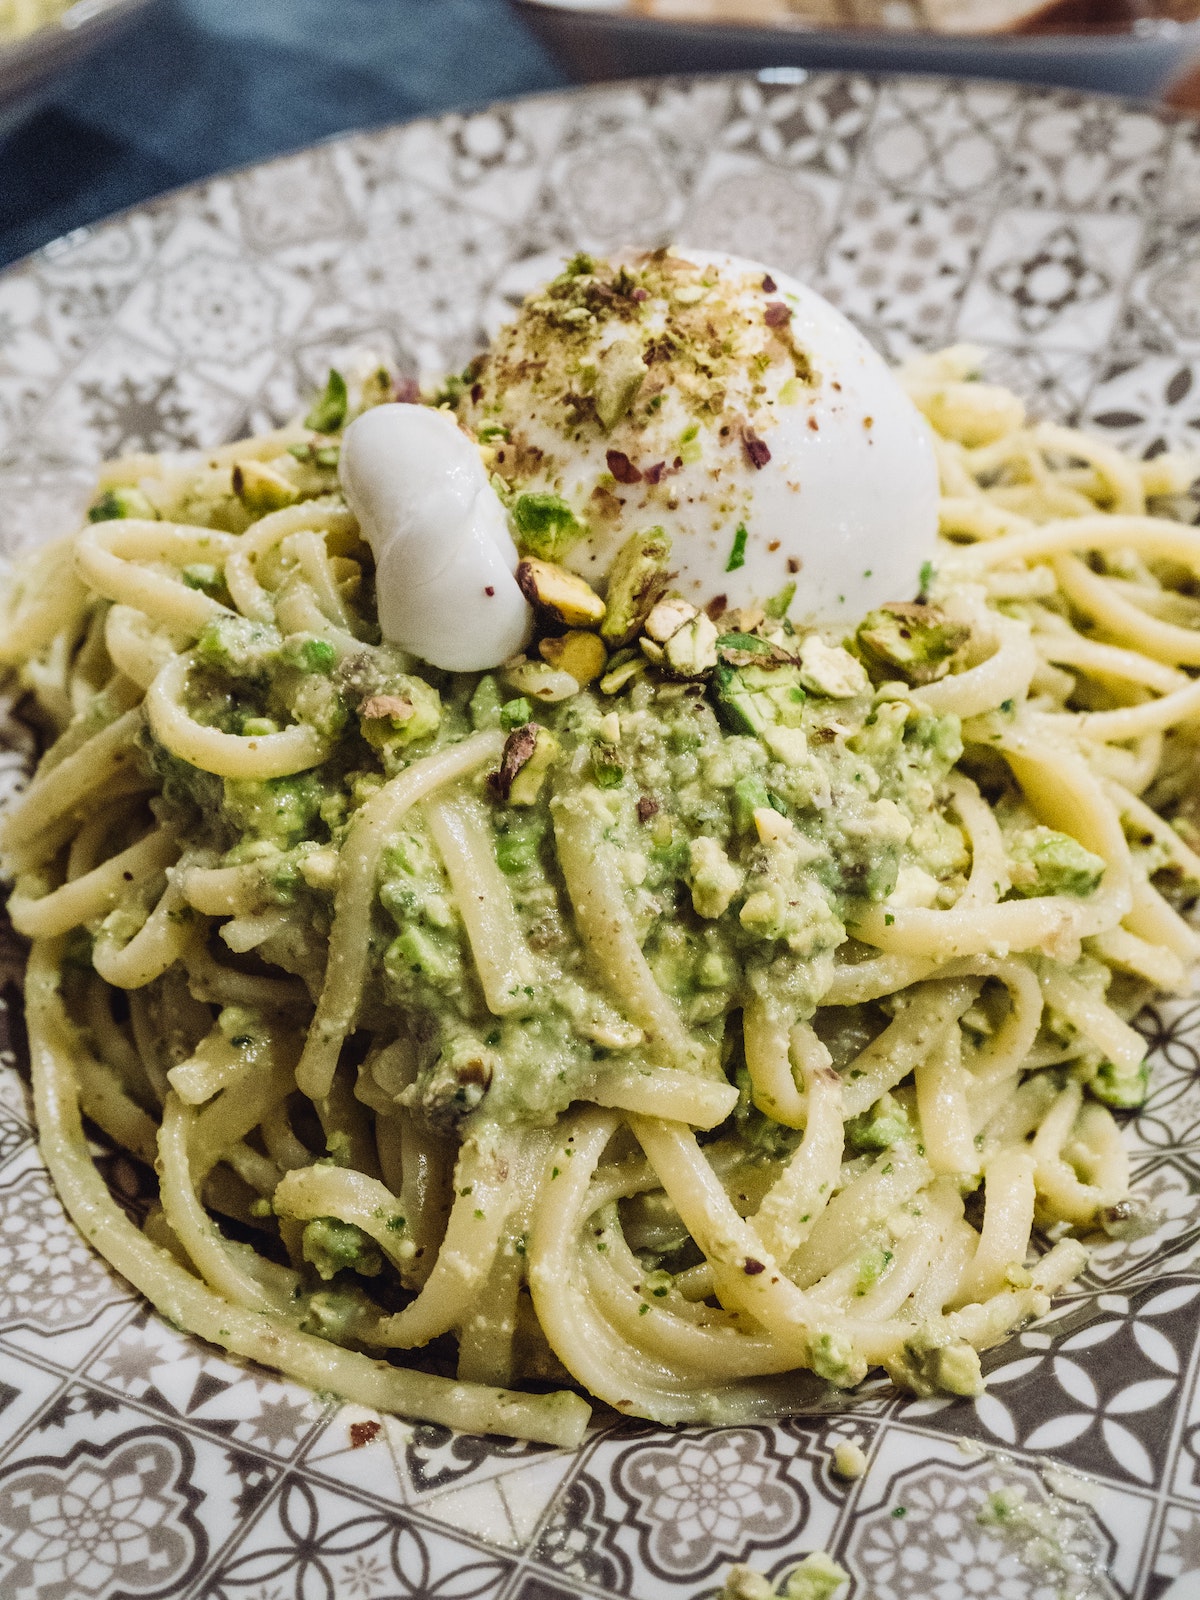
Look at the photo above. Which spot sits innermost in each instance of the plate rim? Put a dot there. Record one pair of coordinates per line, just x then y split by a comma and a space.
770, 76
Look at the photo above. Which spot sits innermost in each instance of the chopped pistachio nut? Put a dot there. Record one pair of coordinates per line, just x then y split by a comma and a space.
484, 704
835, 1359
770, 825
608, 769
691, 651
635, 585
456, 1083
514, 712
539, 680
958, 1370
818, 1577
913, 641
932, 1363
546, 526
779, 604
1044, 861
789, 744
619, 374
622, 669
261, 489
1131, 1219
529, 753
667, 617
582, 655
713, 877
831, 671
329, 409
849, 1460
411, 710
559, 594
120, 502
743, 1583
756, 684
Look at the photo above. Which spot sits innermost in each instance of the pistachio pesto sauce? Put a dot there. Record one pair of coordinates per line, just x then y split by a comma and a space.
724, 904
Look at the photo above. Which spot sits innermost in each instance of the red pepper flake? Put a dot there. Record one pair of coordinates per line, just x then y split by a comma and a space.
407, 392
489, 590
814, 424
362, 1433
757, 449
773, 546
717, 606
622, 469
752, 1267
641, 294
647, 807
653, 474
776, 314
769, 284
793, 564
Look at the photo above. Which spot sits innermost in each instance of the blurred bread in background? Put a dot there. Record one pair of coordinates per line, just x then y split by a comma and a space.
939, 16
21, 17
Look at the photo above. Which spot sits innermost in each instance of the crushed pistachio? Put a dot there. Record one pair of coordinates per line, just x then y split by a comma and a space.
558, 594
121, 502
580, 654
909, 640
636, 583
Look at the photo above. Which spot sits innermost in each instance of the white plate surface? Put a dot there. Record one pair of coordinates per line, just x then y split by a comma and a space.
1056, 230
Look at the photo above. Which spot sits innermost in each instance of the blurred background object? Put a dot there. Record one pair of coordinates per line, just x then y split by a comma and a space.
197, 86
39, 38
191, 87
1135, 47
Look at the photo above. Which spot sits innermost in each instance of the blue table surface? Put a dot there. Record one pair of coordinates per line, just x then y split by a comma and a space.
203, 85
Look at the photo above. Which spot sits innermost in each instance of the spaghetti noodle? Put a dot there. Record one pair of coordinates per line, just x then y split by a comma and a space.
689, 1037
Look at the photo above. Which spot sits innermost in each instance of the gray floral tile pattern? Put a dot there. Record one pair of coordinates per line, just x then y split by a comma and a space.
1060, 233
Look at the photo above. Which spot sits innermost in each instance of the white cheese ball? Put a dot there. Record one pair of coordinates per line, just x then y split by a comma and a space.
444, 558
710, 394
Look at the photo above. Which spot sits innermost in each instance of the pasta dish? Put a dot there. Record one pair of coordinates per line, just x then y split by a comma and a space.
560, 923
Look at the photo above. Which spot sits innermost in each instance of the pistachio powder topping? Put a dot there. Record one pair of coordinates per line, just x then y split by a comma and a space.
618, 378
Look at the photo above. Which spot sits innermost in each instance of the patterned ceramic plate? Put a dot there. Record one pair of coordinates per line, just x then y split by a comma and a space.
1061, 233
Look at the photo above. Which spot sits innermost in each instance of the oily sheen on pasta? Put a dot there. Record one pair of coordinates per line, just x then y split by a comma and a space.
695, 1011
